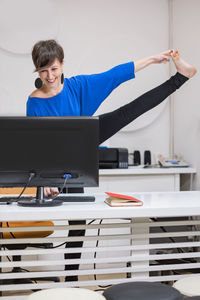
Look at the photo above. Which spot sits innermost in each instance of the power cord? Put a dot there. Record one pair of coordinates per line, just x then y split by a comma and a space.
66, 177
76, 235
95, 255
180, 250
31, 175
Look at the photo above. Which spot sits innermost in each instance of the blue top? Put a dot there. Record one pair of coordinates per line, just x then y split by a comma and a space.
81, 95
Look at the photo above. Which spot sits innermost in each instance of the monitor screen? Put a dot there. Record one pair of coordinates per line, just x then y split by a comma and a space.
49, 147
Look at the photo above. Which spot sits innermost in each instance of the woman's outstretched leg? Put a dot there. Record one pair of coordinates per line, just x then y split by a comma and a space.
111, 123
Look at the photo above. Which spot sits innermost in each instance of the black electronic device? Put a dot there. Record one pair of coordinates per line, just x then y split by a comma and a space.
112, 158
49, 148
147, 157
136, 158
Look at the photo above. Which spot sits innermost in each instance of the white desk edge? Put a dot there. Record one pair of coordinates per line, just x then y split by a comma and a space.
140, 170
156, 204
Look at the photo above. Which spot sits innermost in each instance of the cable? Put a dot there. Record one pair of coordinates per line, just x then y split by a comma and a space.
95, 255
76, 235
10, 232
25, 270
11, 199
8, 258
66, 177
31, 175
171, 239
180, 250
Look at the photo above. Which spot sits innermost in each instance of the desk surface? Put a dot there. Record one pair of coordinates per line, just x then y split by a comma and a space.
156, 204
140, 170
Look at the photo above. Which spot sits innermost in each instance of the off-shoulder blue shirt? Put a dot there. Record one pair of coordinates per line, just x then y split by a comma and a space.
81, 95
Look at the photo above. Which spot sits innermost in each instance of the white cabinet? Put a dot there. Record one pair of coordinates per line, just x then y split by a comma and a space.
139, 179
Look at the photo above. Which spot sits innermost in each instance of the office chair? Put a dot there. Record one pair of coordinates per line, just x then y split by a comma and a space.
26, 234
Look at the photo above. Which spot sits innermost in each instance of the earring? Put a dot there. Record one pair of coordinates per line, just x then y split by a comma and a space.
62, 78
38, 83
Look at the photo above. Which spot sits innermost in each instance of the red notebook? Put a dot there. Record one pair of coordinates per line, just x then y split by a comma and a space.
122, 200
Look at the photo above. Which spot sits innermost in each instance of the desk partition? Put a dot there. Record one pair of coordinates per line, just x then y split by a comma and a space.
120, 244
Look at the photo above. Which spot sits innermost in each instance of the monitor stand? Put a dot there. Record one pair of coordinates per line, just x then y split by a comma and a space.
39, 201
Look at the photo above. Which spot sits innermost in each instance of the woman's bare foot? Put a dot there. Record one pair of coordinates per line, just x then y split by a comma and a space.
182, 67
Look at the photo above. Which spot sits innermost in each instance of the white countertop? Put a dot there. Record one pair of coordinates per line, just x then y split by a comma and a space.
156, 204
140, 170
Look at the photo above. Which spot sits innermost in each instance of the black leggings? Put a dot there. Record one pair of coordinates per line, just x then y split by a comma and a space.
110, 123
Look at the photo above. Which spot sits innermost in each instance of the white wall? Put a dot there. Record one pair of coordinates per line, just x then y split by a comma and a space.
97, 35
187, 100
22, 23
102, 34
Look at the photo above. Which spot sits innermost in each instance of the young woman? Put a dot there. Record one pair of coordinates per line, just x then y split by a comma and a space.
83, 94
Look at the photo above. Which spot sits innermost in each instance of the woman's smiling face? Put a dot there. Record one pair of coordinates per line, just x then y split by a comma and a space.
51, 76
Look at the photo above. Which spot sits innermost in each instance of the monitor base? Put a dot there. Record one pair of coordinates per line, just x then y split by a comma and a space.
39, 202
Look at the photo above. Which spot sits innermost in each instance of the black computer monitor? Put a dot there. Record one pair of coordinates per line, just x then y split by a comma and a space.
47, 149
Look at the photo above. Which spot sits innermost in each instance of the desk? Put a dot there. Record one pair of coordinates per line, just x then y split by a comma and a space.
141, 260
140, 179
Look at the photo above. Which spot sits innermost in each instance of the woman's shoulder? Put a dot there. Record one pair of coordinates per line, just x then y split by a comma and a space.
36, 94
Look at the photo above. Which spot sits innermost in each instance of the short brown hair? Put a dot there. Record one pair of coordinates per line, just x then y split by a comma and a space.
45, 52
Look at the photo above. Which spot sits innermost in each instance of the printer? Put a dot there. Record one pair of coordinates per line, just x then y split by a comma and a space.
112, 158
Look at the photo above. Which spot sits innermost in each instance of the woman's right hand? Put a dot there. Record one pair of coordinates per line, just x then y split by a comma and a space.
50, 192
162, 57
